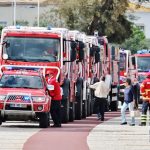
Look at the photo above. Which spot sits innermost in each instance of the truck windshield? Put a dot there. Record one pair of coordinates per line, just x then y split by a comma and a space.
143, 64
21, 81
32, 49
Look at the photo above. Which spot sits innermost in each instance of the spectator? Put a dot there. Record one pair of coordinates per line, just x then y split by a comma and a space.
128, 102
136, 87
101, 92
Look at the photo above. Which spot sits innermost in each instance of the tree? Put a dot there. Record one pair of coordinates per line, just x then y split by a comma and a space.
105, 16
22, 22
136, 42
1, 29
51, 17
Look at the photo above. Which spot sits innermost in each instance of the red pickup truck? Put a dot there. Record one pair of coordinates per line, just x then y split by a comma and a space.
24, 96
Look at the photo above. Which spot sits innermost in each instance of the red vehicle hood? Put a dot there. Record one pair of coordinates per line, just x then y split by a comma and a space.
33, 92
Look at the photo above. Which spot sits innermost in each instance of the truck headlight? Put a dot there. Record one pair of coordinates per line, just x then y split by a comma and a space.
38, 98
2, 97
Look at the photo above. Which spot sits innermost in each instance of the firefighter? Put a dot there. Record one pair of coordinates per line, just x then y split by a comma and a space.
145, 91
56, 96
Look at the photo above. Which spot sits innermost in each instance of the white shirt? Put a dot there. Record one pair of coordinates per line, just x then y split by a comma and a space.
101, 89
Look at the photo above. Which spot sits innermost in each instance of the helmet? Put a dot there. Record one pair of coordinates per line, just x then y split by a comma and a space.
52, 72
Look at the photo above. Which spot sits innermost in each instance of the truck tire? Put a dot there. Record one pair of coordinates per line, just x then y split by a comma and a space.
84, 111
44, 120
78, 107
72, 112
65, 110
88, 106
0, 121
114, 105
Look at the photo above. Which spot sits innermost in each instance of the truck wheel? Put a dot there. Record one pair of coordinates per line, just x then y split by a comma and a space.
65, 111
0, 121
44, 120
72, 112
88, 105
78, 107
84, 112
114, 105
92, 105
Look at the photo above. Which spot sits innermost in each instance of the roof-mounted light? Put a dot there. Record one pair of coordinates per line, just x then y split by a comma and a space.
18, 27
49, 27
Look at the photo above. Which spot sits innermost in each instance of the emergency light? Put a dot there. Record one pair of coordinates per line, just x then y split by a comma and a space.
143, 51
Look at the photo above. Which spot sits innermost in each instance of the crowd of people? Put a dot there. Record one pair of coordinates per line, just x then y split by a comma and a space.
101, 89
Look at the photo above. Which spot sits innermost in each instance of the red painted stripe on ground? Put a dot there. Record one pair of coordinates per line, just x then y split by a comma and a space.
72, 136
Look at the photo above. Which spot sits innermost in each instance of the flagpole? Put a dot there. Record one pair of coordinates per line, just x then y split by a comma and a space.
14, 13
38, 18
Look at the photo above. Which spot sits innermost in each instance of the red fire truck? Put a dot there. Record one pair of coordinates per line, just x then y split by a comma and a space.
104, 61
125, 58
56, 49
140, 64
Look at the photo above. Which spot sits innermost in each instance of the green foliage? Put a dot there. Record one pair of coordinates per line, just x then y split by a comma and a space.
1, 29
51, 17
22, 22
106, 16
136, 41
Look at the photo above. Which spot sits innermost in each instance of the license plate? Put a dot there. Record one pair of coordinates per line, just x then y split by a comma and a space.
18, 105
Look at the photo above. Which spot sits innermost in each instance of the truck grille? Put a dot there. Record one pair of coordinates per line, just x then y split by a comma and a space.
18, 97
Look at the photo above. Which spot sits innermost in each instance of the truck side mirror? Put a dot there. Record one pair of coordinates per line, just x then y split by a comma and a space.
73, 51
133, 61
92, 51
81, 51
97, 57
113, 53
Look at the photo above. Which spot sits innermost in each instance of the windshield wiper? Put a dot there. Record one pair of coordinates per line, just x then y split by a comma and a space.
24, 60
40, 60
4, 86
27, 87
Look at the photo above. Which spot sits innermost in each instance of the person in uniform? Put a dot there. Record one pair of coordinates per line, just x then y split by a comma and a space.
145, 92
56, 96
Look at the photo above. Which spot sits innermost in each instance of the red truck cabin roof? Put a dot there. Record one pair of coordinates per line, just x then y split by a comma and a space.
32, 34
142, 55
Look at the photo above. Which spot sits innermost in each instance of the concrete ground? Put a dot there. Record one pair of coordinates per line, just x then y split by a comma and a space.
110, 135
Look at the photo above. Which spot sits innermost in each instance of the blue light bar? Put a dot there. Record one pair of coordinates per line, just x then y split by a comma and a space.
143, 51
22, 68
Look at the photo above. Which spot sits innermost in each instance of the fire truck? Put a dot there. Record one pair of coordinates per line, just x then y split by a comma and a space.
103, 60
125, 59
58, 49
133, 66
140, 64
73, 56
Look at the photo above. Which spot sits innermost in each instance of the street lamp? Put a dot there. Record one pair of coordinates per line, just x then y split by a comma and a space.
14, 2
38, 18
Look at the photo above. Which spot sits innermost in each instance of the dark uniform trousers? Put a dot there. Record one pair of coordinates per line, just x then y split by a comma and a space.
145, 107
56, 111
